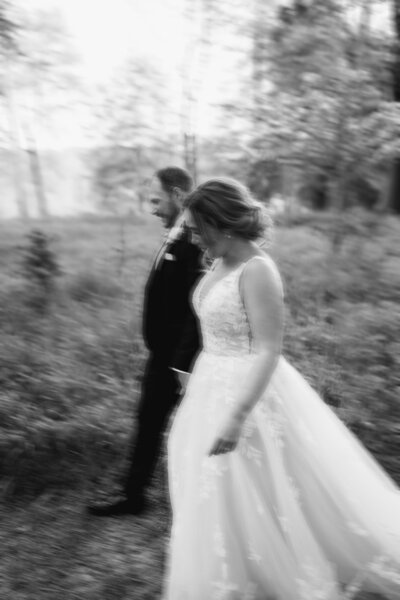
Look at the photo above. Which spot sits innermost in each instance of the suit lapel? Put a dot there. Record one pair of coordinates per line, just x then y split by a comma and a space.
178, 233
160, 254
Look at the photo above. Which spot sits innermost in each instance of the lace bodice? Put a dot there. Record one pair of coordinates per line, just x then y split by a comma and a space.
224, 324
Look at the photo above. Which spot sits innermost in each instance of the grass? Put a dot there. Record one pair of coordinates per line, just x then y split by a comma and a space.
70, 375
52, 551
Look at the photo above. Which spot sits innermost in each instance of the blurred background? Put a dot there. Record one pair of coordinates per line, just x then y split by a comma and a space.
299, 99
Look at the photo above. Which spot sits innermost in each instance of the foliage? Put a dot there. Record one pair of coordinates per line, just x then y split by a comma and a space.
132, 134
75, 372
52, 550
76, 367
120, 175
8, 29
39, 81
89, 287
40, 268
46, 62
318, 103
70, 381
132, 108
8, 49
325, 113
395, 71
39, 262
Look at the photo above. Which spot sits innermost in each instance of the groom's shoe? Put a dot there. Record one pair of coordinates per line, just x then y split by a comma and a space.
133, 506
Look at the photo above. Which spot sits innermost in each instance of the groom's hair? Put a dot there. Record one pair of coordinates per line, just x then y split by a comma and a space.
171, 177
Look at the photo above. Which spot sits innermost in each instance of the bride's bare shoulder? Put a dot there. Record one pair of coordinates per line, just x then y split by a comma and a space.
261, 274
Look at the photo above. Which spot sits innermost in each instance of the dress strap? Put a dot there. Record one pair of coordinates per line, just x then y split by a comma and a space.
239, 272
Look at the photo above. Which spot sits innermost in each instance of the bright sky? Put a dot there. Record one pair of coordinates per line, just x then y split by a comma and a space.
106, 32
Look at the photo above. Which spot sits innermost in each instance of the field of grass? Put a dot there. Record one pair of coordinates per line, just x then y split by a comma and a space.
70, 373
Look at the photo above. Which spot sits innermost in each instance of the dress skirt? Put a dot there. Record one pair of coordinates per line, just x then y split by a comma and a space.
300, 510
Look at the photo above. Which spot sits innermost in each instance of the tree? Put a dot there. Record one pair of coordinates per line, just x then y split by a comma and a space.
131, 128
133, 109
118, 181
8, 28
44, 77
38, 77
9, 54
395, 183
199, 25
214, 30
324, 114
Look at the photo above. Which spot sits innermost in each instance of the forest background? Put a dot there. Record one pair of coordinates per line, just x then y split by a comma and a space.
298, 99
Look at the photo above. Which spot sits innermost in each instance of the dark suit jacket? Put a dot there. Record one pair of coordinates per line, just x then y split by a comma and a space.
170, 328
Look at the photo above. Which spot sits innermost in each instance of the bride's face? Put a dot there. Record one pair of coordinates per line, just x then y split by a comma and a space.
209, 238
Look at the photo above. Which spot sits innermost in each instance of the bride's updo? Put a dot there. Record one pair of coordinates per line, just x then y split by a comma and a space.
229, 206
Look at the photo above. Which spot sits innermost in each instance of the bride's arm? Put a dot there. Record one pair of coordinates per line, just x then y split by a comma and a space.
263, 300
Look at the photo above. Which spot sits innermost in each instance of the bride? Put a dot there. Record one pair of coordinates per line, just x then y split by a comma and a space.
273, 497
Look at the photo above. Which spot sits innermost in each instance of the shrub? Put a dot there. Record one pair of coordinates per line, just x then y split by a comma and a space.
87, 286
40, 268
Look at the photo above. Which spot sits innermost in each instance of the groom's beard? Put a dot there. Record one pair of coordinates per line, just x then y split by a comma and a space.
206, 259
170, 220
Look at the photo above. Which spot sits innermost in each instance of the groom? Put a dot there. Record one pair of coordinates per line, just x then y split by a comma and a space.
170, 333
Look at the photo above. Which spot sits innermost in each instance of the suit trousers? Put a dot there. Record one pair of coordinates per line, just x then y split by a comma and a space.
160, 395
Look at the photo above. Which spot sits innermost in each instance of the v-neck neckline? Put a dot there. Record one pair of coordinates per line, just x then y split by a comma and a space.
201, 298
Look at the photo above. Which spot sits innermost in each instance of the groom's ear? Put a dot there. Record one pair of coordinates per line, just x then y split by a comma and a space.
177, 196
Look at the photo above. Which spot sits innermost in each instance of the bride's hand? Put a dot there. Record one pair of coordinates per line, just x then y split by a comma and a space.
227, 438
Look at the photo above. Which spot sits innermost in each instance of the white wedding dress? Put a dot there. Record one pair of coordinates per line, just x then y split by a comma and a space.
299, 511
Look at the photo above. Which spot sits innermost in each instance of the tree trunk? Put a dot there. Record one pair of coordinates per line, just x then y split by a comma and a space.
37, 178
37, 175
259, 58
395, 182
16, 149
190, 154
19, 184
199, 16
188, 125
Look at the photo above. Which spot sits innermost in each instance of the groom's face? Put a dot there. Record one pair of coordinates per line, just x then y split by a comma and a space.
163, 204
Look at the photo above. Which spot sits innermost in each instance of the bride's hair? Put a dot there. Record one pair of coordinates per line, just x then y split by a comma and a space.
229, 206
